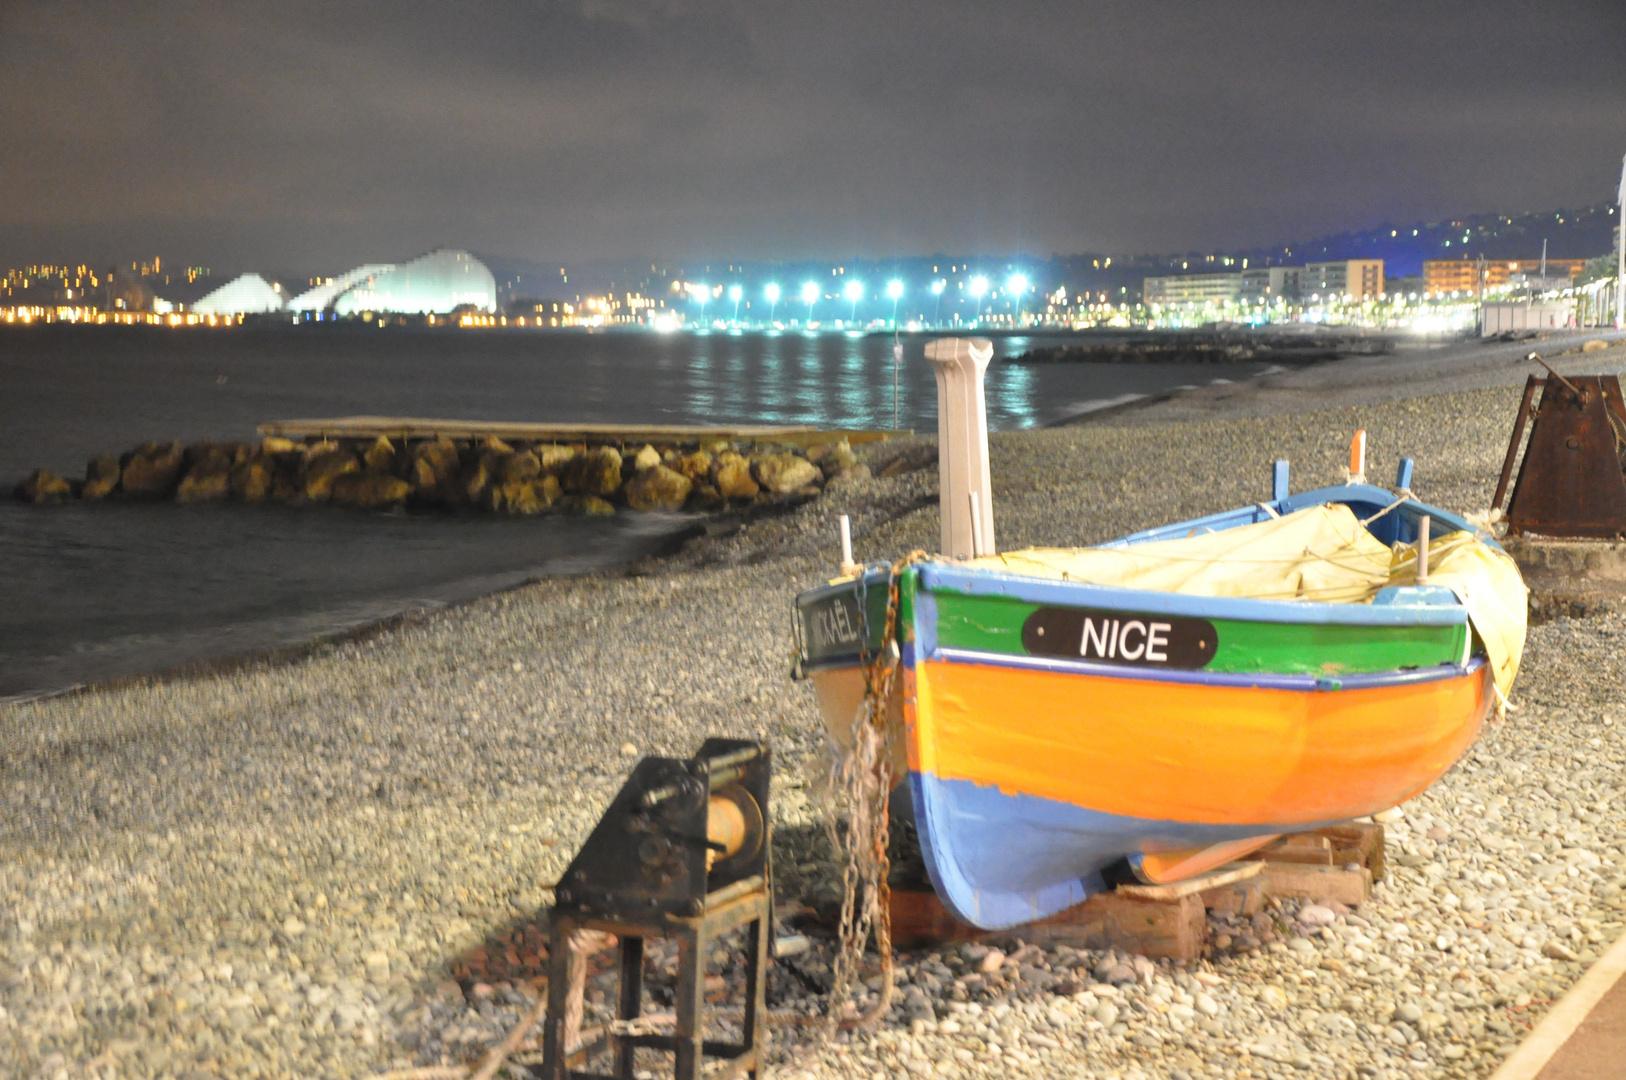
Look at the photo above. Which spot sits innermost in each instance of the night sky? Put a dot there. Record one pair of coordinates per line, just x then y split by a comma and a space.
317, 136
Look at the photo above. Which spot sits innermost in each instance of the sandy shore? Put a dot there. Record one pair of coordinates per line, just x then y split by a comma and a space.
278, 870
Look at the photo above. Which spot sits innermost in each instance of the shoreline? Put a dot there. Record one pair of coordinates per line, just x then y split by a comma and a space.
308, 855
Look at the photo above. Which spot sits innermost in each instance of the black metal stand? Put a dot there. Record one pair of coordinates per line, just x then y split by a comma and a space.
682, 853
746, 903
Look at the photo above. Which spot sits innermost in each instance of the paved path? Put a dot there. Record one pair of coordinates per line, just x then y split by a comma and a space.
1412, 370
1584, 1036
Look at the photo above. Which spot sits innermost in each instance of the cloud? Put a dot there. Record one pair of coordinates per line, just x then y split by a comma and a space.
317, 135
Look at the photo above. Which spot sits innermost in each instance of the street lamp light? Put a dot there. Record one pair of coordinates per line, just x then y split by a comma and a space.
810, 296
894, 289
854, 291
979, 289
771, 294
1017, 286
703, 291
937, 305
734, 294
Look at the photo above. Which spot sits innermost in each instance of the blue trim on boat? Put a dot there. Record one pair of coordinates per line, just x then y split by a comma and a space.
999, 860
1398, 525
1245, 679
1036, 590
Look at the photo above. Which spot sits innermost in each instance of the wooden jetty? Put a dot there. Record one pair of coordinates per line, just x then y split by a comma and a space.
409, 427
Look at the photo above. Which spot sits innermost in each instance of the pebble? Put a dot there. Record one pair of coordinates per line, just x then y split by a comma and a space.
276, 871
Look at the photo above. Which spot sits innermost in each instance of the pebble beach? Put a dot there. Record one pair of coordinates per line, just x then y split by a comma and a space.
331, 865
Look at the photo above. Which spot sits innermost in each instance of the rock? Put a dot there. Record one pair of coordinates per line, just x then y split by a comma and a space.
991, 962
1205, 1004
44, 486
276, 444
521, 466
494, 445
1438, 833
1274, 997
1595, 345
658, 488
530, 496
435, 470
1389, 816
322, 468
705, 497
646, 459
101, 477
1316, 915
252, 479
368, 489
836, 459
552, 456
696, 466
590, 505
151, 471
208, 478
784, 473
478, 473
1106, 1014
1555, 950
1408, 1013
855, 475
380, 456
596, 472
732, 475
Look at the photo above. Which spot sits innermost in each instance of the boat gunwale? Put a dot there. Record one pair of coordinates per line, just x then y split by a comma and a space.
1242, 680
969, 581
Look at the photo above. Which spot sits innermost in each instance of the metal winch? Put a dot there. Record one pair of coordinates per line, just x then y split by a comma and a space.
682, 853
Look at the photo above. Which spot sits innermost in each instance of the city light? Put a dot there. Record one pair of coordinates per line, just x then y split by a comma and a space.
1016, 284
771, 293
937, 298
894, 289
979, 287
734, 294
810, 296
938, 286
854, 291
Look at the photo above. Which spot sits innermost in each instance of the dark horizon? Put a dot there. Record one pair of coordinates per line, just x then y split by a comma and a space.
295, 136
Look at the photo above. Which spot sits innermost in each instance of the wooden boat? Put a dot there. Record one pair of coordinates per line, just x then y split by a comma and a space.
1059, 735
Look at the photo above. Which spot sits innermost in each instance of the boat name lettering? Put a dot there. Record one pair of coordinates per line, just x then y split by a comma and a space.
1118, 637
834, 627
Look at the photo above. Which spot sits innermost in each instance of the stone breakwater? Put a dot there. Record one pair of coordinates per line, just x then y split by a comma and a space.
490, 474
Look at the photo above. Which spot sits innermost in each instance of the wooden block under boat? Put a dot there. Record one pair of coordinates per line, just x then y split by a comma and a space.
1359, 842
1319, 883
1245, 897
1307, 848
1173, 928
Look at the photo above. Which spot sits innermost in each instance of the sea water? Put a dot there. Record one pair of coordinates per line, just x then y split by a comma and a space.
96, 591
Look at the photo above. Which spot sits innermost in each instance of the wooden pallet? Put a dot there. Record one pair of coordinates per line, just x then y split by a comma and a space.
1338, 863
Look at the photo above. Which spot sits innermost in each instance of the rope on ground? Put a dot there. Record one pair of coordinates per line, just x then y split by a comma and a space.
582, 944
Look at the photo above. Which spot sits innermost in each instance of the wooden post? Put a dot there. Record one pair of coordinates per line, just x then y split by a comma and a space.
962, 444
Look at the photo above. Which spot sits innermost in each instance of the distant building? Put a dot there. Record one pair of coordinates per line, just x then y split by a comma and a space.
432, 284
1193, 289
1268, 283
249, 294
1526, 315
1471, 277
1361, 279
